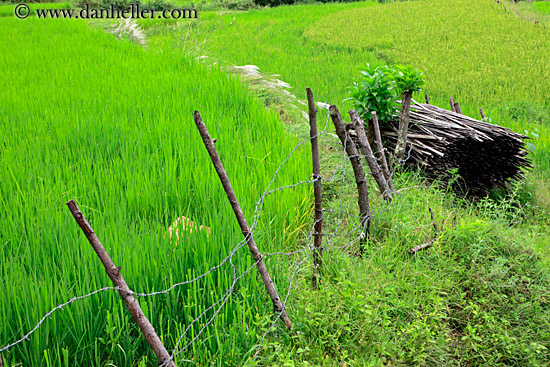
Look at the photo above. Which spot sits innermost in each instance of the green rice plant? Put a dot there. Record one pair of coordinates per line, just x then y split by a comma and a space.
84, 115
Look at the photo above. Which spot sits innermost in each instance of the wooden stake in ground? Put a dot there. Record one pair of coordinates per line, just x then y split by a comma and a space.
360, 180
404, 118
369, 155
380, 148
481, 113
114, 274
452, 102
427, 98
245, 229
317, 190
457, 108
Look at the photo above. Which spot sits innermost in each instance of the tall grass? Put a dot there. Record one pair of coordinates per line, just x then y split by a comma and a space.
86, 116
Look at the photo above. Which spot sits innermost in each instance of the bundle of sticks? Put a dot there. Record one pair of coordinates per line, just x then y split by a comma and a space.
484, 155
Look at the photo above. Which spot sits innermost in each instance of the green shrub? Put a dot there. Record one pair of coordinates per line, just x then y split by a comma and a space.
377, 91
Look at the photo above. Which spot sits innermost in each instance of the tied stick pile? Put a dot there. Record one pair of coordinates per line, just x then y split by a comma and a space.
486, 155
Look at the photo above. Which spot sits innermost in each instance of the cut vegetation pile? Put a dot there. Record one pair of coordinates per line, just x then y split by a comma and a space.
486, 156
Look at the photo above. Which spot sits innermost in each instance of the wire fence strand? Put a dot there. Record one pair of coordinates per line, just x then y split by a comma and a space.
305, 251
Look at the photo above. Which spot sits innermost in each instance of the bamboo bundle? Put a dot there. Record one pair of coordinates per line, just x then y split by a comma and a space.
486, 156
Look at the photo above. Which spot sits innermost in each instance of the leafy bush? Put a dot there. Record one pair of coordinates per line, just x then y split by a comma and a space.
377, 91
380, 88
408, 79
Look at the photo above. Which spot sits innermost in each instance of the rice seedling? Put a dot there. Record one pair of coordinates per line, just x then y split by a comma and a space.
87, 116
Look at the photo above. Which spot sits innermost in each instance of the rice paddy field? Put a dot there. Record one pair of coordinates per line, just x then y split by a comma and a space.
89, 117
85, 115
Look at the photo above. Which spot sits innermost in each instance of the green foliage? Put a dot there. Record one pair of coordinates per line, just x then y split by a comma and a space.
380, 88
408, 79
376, 91
541, 6
527, 111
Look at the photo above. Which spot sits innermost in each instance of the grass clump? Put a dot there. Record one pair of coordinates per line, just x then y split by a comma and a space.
480, 296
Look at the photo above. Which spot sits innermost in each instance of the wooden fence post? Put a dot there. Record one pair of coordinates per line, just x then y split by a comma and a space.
245, 229
457, 108
380, 148
360, 180
129, 300
317, 189
369, 155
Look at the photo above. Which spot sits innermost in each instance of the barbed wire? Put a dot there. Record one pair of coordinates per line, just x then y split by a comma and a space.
222, 301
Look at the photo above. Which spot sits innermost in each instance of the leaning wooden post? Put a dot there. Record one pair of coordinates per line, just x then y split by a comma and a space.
369, 155
129, 300
452, 102
380, 148
360, 180
481, 113
245, 229
318, 224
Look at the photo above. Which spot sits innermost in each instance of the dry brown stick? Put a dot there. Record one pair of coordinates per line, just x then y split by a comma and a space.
427, 98
317, 190
369, 155
481, 113
422, 246
360, 179
452, 101
380, 148
245, 229
114, 274
430, 242
457, 108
